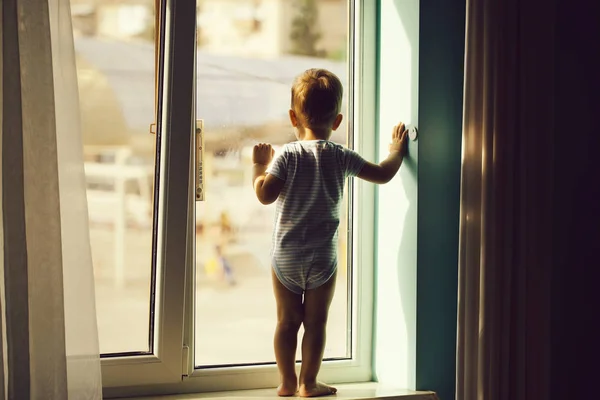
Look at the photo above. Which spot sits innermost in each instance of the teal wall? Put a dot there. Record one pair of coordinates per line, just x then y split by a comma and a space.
427, 35
441, 75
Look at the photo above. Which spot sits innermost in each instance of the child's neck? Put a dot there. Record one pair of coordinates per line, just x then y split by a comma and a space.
308, 134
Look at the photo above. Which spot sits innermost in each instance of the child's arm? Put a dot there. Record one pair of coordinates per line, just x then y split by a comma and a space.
266, 186
387, 169
384, 171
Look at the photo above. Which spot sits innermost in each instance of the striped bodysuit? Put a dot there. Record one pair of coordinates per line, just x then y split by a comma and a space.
304, 243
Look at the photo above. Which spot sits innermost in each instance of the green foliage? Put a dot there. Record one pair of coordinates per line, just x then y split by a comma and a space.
341, 54
305, 32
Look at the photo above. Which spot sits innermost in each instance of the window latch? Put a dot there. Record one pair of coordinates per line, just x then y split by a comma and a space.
199, 161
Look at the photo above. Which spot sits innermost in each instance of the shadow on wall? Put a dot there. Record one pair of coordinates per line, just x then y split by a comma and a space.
407, 251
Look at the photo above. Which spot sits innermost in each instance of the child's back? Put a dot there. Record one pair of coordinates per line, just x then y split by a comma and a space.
304, 251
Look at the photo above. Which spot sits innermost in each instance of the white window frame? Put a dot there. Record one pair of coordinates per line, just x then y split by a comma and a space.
175, 126
171, 369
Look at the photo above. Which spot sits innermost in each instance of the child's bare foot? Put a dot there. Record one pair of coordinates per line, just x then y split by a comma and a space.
315, 390
288, 387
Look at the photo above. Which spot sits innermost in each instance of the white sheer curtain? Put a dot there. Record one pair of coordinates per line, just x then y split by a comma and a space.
506, 202
49, 330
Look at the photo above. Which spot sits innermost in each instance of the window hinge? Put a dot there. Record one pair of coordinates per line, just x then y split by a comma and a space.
185, 361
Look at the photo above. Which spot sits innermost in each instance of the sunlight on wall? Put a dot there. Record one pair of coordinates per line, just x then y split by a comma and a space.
395, 334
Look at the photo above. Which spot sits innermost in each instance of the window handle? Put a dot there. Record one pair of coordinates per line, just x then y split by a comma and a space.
199, 167
413, 132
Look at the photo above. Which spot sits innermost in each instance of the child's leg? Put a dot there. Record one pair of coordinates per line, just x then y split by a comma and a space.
316, 310
289, 319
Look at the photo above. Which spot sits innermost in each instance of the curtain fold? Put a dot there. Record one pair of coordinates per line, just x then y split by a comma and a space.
506, 202
49, 330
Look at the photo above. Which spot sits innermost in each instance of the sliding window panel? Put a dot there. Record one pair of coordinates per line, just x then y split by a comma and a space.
249, 53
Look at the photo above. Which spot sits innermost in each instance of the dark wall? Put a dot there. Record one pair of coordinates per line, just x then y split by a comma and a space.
575, 306
575, 262
441, 75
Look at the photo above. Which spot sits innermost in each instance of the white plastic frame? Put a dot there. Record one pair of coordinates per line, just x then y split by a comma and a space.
176, 129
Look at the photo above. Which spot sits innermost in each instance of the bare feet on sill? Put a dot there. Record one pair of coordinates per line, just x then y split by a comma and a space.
288, 388
316, 390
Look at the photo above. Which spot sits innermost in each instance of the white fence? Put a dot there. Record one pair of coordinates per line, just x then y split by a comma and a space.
110, 202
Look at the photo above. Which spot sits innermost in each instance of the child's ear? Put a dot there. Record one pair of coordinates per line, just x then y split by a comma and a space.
293, 118
337, 122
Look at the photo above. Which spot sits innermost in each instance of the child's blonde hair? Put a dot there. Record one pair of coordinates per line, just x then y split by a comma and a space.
317, 98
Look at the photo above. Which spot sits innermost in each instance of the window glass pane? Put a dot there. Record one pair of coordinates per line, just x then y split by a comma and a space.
249, 52
114, 44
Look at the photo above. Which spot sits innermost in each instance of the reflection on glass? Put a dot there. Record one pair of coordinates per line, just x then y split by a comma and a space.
249, 51
114, 45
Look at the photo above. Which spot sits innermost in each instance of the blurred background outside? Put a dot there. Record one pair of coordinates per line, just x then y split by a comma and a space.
249, 51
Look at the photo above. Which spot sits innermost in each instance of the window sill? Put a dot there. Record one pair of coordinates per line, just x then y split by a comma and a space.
354, 391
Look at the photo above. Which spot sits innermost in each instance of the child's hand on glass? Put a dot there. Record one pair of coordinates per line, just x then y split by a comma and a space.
399, 138
262, 154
